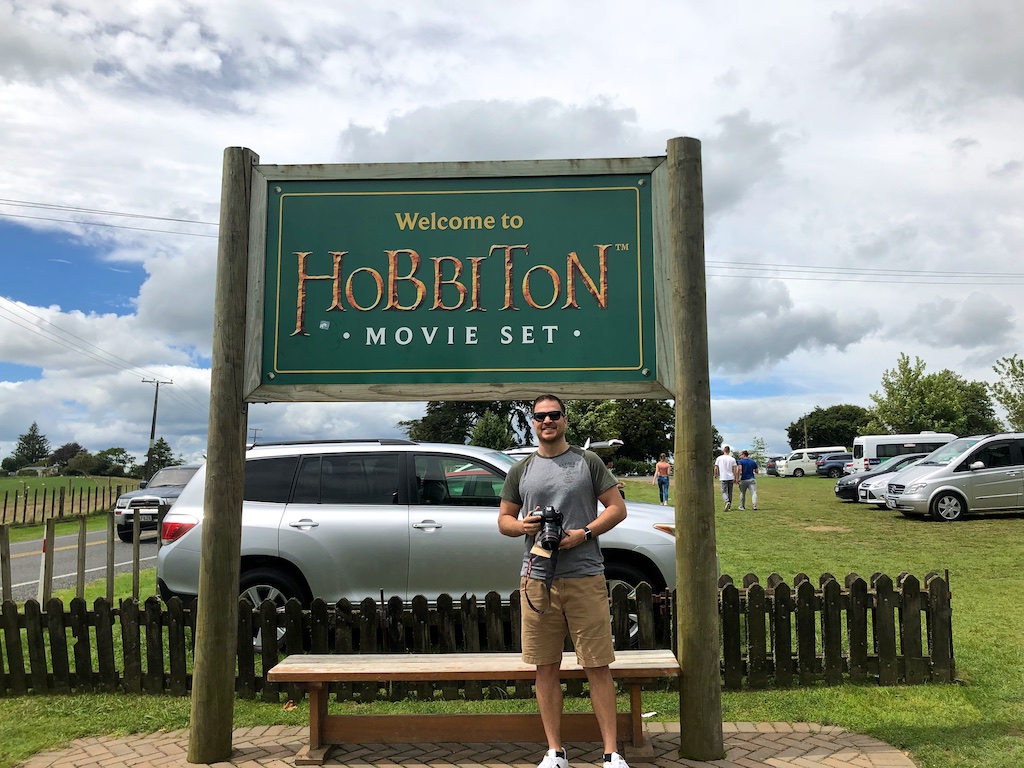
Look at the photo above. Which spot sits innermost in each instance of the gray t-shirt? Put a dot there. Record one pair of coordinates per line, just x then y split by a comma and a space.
571, 483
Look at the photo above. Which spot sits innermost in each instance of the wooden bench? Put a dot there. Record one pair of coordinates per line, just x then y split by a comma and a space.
631, 668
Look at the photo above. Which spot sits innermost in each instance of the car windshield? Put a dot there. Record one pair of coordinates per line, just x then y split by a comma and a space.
891, 465
172, 476
940, 457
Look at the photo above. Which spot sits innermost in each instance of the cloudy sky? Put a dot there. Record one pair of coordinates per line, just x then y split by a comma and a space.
863, 176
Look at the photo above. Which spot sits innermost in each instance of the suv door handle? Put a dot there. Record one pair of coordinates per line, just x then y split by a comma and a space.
304, 523
428, 525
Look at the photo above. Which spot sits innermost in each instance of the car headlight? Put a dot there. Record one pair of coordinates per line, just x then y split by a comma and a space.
121, 503
916, 487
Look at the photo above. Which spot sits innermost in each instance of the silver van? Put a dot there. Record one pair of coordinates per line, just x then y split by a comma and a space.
984, 473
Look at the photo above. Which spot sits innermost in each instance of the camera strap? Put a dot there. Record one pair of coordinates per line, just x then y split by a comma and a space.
548, 580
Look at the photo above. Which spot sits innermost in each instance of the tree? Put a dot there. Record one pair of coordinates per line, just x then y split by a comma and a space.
759, 452
913, 401
161, 457
443, 422
645, 426
1009, 390
452, 421
31, 447
114, 462
491, 431
835, 425
590, 419
60, 457
83, 463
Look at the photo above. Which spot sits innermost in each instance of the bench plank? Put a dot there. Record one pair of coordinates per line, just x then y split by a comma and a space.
417, 667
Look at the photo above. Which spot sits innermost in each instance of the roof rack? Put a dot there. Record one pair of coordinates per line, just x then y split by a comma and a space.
378, 441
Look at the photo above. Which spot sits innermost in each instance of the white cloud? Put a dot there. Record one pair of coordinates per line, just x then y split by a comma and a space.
853, 156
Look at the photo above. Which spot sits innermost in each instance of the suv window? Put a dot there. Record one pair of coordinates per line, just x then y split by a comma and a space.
269, 479
348, 478
456, 481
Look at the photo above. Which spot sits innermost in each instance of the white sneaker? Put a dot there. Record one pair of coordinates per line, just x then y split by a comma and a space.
556, 759
615, 762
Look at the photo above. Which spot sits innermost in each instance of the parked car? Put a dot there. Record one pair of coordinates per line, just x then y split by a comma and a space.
983, 473
803, 460
769, 466
151, 499
850, 487
354, 519
831, 464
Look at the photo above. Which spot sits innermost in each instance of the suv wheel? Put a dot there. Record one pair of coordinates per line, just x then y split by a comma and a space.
261, 584
948, 506
798, 472
124, 533
835, 472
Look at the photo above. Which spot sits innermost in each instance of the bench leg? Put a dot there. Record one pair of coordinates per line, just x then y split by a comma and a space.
315, 753
636, 723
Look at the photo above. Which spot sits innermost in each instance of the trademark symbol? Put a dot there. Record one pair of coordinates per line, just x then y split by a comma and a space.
622, 246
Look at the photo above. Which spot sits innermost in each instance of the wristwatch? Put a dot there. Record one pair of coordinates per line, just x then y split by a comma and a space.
588, 534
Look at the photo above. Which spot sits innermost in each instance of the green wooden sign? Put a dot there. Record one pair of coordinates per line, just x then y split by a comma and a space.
372, 288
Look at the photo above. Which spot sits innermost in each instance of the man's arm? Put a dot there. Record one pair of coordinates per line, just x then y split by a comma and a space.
510, 524
614, 512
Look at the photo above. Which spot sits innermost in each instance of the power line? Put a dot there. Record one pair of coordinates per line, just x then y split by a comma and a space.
100, 211
103, 224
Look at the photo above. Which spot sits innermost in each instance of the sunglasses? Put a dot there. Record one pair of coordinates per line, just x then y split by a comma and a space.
553, 415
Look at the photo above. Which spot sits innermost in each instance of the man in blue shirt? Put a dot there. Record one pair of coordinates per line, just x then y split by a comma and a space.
748, 479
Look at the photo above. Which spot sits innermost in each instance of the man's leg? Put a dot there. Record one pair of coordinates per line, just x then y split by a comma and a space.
753, 493
602, 699
743, 494
549, 701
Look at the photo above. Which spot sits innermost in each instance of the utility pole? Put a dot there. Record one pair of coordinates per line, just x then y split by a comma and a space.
255, 431
152, 429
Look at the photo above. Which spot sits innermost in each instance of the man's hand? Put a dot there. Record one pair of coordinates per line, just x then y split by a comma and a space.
532, 524
573, 539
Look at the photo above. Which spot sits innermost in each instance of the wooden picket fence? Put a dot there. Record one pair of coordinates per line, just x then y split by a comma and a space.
32, 506
771, 636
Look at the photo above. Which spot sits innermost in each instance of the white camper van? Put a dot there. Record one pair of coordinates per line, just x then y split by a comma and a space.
871, 450
801, 462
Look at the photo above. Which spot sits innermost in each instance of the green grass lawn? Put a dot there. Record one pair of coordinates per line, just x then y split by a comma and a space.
799, 526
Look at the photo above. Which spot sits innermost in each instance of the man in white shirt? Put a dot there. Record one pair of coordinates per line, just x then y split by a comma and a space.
725, 471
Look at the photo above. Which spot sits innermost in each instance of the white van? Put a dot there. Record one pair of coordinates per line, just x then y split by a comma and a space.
871, 450
802, 462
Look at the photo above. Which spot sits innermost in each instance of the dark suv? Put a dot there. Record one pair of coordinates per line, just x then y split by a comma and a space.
151, 500
831, 464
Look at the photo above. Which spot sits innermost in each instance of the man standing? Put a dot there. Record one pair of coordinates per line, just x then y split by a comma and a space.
725, 468
748, 479
565, 588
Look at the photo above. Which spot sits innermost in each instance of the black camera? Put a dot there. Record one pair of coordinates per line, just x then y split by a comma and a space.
550, 529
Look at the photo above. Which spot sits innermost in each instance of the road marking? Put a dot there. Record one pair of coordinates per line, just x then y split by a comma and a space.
87, 570
60, 549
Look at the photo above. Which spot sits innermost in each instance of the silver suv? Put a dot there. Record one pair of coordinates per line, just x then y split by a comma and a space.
984, 473
354, 519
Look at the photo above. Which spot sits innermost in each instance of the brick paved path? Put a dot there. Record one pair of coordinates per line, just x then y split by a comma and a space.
747, 744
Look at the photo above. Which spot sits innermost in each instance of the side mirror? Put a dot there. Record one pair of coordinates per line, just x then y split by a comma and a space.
143, 483
977, 465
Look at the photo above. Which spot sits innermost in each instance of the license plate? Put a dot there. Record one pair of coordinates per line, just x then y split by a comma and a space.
147, 518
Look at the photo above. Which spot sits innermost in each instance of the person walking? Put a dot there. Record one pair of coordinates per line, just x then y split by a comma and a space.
725, 469
747, 468
564, 588
662, 471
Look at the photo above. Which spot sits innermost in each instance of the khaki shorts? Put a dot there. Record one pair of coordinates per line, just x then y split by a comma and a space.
578, 607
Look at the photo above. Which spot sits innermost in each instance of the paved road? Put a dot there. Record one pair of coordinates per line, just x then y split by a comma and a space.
26, 557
